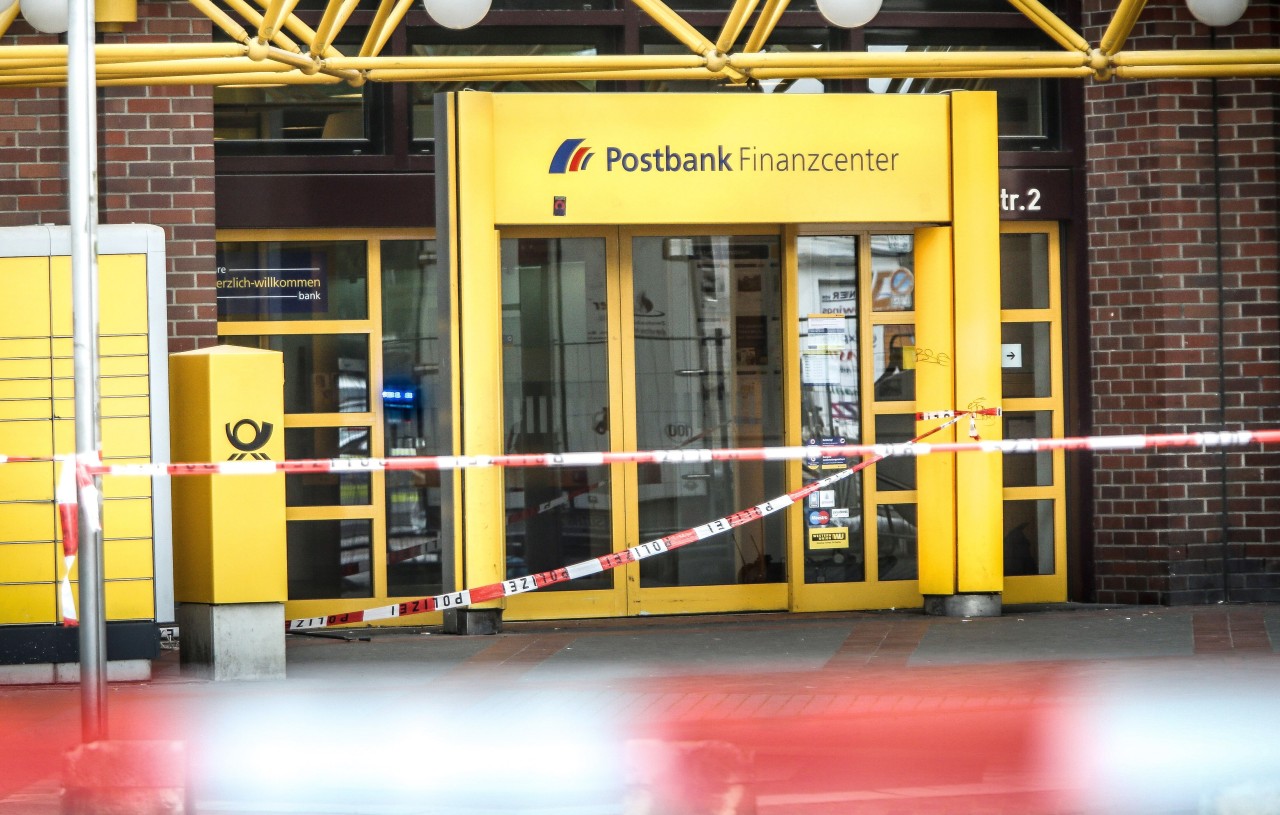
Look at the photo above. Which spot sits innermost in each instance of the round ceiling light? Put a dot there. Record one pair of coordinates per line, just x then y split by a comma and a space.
46, 16
849, 13
1217, 13
457, 13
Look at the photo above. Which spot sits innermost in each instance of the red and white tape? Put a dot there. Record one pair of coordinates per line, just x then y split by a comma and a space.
75, 488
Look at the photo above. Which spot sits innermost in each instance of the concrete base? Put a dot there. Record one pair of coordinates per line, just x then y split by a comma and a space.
119, 670
126, 778
963, 605
473, 621
232, 641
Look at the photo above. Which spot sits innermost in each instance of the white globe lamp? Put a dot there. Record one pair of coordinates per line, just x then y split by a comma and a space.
457, 13
1217, 13
849, 13
46, 16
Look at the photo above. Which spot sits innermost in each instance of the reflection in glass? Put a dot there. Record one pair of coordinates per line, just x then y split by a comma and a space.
1028, 469
1028, 537
1024, 270
830, 405
655, 41
326, 489
329, 559
895, 472
424, 92
414, 394
323, 373
272, 280
1023, 106
1029, 373
555, 369
893, 275
708, 372
893, 362
724, 6
291, 113
897, 537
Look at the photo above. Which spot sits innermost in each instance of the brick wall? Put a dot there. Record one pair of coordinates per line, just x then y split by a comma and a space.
155, 163
1156, 360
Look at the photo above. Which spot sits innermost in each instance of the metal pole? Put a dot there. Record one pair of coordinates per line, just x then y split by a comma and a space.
82, 167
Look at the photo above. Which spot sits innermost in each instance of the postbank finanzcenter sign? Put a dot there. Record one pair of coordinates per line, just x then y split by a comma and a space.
681, 158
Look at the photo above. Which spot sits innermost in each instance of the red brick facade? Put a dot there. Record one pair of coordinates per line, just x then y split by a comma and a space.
1156, 359
155, 164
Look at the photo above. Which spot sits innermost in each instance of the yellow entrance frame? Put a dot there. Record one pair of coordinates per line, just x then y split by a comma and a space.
478, 152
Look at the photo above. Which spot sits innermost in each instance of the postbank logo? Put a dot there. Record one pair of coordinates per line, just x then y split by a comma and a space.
571, 156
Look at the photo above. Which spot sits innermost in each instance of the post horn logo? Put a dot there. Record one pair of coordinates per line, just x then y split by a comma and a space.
250, 448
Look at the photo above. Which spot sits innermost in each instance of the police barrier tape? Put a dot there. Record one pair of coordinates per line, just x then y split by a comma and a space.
88, 467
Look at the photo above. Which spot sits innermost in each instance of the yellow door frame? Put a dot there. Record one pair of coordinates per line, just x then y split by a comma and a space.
371, 327
1052, 587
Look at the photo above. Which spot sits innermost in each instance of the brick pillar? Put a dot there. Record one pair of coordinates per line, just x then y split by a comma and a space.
155, 163
1156, 270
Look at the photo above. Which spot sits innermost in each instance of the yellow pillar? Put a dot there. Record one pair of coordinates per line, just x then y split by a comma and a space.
976, 221
935, 390
475, 266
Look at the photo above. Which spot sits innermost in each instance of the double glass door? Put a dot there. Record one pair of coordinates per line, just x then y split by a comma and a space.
623, 340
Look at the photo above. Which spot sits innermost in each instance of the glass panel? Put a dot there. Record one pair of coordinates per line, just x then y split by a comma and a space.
289, 112
1024, 270
271, 280
893, 276
329, 559
299, 119
326, 489
555, 369
953, 5
1028, 537
323, 373
413, 533
725, 5
708, 372
1025, 107
423, 106
1026, 360
897, 537
831, 409
554, 5
893, 354
414, 397
895, 472
1028, 469
656, 41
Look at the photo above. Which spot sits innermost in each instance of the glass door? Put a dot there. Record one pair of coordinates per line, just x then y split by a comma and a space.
626, 340
557, 397
707, 325
855, 347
